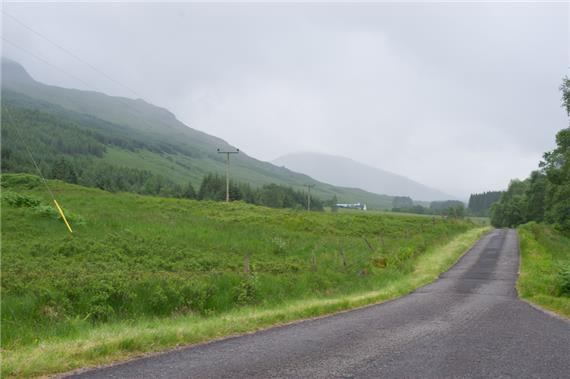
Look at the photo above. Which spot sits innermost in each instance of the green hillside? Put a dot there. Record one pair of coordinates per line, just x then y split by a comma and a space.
89, 128
134, 257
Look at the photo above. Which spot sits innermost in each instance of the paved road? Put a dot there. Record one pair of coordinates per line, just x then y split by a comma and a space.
469, 323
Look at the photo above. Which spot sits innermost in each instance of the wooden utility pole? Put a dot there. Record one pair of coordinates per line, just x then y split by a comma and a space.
309, 186
228, 152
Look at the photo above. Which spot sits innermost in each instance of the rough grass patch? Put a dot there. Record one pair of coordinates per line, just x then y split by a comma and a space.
545, 267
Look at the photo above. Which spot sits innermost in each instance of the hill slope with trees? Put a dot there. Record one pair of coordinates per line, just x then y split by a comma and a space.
121, 144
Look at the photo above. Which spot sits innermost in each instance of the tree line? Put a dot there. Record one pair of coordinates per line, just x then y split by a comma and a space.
452, 208
113, 178
69, 146
213, 187
545, 195
480, 203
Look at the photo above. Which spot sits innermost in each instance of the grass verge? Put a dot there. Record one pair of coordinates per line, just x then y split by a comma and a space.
127, 339
545, 268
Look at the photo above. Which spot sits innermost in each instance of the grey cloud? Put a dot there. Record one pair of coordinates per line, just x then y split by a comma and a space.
461, 97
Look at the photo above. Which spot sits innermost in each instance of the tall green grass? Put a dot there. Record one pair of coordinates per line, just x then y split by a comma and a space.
134, 260
545, 267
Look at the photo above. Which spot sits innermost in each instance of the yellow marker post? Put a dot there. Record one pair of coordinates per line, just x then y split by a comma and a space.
62, 215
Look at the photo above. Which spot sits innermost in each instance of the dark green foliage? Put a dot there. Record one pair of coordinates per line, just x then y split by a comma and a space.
511, 209
247, 290
402, 202
18, 200
480, 203
405, 204
449, 208
535, 196
277, 196
36, 206
213, 187
67, 147
563, 280
545, 195
189, 192
443, 206
457, 210
556, 165
64, 170
416, 209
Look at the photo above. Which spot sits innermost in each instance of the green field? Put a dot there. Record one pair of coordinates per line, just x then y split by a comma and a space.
545, 267
138, 260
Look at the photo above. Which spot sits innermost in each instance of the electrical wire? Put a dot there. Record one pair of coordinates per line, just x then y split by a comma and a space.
124, 101
23, 141
45, 61
70, 53
27, 148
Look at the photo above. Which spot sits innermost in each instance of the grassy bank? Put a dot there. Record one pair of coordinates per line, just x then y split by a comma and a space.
545, 267
143, 274
122, 340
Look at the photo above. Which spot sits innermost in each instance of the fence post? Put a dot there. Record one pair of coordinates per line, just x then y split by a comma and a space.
368, 243
313, 262
246, 269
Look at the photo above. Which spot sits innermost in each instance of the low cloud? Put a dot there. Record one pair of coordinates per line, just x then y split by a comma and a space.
461, 97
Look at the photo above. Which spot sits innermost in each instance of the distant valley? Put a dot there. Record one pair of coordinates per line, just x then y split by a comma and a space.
346, 172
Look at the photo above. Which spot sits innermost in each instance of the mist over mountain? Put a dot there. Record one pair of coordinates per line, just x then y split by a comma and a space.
88, 129
343, 171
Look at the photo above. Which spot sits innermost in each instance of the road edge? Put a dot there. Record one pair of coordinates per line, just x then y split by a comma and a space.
363, 297
528, 302
484, 232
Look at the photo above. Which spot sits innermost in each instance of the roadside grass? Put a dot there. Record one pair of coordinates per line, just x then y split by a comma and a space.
545, 267
105, 343
139, 260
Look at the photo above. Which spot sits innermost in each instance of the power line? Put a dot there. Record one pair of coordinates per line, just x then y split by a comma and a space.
45, 61
228, 152
127, 104
70, 53
124, 101
21, 138
16, 127
309, 186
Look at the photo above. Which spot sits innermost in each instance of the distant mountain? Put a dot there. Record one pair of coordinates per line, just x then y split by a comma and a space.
87, 127
343, 171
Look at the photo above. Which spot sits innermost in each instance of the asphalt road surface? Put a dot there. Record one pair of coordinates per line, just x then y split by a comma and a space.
467, 324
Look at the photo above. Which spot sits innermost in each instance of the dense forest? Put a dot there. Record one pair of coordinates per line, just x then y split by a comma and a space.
213, 187
545, 194
68, 145
402, 202
453, 208
480, 203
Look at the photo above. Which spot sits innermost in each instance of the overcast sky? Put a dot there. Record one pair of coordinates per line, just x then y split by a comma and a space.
459, 96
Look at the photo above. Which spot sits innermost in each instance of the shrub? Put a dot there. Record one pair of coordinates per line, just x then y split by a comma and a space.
247, 290
20, 201
21, 181
279, 245
563, 280
51, 212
